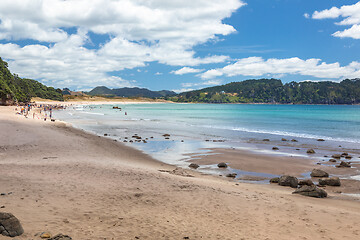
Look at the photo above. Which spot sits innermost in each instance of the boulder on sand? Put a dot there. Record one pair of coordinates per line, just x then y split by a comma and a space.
333, 181
287, 180
61, 237
311, 191
275, 148
306, 182
318, 173
9, 225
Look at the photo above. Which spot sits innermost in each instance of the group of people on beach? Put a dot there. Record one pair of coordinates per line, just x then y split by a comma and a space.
39, 111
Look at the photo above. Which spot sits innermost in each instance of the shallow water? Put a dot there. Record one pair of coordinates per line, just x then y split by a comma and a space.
194, 127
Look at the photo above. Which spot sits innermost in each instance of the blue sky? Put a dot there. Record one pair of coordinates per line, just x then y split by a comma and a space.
179, 45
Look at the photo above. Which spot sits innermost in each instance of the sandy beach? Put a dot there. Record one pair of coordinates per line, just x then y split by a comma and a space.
59, 179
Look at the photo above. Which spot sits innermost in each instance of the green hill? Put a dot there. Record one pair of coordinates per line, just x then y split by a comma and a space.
13, 88
274, 91
129, 92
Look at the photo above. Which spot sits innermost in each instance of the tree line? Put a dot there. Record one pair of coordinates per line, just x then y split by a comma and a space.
15, 89
274, 91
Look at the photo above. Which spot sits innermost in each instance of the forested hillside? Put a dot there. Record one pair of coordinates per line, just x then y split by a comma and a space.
274, 91
129, 92
13, 88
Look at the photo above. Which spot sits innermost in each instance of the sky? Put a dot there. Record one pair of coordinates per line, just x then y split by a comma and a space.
179, 45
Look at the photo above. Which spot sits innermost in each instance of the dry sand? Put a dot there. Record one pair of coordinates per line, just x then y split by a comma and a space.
67, 181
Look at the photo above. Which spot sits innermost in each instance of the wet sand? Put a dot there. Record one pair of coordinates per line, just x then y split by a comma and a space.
64, 180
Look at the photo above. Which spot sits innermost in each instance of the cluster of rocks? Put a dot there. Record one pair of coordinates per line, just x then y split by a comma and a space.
10, 226
215, 140
342, 164
307, 187
220, 165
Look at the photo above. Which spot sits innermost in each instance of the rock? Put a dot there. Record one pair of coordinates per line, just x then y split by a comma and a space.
332, 160
166, 135
194, 165
320, 140
275, 148
274, 180
45, 235
318, 173
283, 139
338, 156
348, 157
310, 151
306, 182
105, 134
266, 140
344, 154
287, 180
311, 191
10, 225
61, 237
333, 181
343, 164
231, 175
222, 165
294, 140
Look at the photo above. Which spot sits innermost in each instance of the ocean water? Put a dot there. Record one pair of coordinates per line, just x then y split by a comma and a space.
194, 127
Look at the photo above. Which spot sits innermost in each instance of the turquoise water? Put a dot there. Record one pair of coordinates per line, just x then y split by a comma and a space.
236, 124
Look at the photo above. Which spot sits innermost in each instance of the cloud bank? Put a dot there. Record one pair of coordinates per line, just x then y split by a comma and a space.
258, 67
351, 15
136, 32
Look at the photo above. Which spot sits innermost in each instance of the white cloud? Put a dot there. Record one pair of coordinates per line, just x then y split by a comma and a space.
183, 90
202, 84
306, 15
158, 73
186, 70
140, 31
257, 66
351, 15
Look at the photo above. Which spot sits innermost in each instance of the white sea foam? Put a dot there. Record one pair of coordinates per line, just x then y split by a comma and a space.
102, 114
283, 133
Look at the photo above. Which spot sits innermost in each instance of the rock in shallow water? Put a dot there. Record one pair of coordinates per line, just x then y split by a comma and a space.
343, 164
231, 175
9, 225
310, 151
193, 165
274, 180
287, 180
318, 173
311, 191
222, 165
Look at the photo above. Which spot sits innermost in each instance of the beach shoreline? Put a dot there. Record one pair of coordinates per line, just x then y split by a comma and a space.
62, 179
